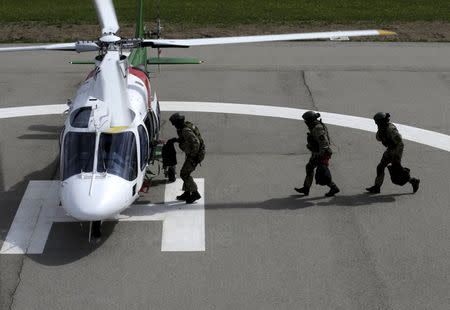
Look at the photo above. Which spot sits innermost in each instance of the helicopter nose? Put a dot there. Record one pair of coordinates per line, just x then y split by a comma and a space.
107, 197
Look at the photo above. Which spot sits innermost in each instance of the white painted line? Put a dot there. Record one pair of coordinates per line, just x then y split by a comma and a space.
183, 225
184, 228
20, 234
33, 110
422, 136
44, 222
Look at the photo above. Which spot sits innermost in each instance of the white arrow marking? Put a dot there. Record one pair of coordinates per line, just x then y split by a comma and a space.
422, 136
183, 225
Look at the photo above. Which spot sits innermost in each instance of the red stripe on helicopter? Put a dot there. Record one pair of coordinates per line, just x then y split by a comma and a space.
143, 77
91, 74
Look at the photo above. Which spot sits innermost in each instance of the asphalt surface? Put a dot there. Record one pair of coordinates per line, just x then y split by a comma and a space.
266, 247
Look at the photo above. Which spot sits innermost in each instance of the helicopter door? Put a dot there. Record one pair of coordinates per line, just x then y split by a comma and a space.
144, 144
149, 125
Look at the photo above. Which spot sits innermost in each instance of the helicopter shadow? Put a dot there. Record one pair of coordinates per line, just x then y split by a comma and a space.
69, 242
62, 235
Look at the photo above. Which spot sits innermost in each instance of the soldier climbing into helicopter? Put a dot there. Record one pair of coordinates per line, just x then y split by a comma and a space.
191, 143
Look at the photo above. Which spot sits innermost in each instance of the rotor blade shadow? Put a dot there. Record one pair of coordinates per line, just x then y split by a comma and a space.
38, 137
47, 132
45, 128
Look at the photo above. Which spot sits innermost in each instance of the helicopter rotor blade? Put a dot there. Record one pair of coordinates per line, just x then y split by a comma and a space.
332, 35
83, 46
106, 16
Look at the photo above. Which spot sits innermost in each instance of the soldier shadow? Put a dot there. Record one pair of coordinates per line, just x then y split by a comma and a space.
296, 202
288, 203
361, 199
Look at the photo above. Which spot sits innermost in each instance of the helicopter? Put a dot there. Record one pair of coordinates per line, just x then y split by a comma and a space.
113, 121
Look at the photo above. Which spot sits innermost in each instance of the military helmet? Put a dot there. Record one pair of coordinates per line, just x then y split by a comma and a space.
310, 116
381, 117
176, 118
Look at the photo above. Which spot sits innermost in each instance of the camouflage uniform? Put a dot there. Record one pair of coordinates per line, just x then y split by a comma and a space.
391, 138
319, 145
190, 144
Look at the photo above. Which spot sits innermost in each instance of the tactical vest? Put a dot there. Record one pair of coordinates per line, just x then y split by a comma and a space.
387, 134
201, 150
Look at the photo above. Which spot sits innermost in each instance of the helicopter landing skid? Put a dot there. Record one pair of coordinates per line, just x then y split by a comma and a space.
95, 230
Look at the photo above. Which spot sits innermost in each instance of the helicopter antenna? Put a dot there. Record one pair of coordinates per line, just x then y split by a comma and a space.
158, 31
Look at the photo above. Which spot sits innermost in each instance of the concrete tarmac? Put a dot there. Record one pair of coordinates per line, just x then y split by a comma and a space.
266, 246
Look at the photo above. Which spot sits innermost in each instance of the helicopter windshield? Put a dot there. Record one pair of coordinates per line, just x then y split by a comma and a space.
79, 150
117, 155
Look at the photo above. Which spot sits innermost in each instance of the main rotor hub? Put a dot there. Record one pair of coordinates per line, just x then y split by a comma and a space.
110, 38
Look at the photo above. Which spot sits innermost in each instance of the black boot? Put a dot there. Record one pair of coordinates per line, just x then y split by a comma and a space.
333, 190
415, 184
303, 190
193, 197
373, 190
183, 196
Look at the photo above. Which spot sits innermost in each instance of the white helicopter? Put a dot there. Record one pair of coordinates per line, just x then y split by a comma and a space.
114, 119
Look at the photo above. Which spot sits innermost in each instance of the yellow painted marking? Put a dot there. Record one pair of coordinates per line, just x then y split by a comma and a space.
117, 129
387, 33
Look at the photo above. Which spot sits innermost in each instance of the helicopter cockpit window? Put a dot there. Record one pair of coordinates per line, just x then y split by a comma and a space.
79, 150
80, 117
117, 155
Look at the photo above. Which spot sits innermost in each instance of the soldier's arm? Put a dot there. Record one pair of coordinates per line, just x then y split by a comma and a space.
321, 137
394, 136
191, 142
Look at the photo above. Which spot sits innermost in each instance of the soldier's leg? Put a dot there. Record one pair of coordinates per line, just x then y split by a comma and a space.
309, 176
397, 160
333, 189
310, 166
385, 160
185, 174
396, 156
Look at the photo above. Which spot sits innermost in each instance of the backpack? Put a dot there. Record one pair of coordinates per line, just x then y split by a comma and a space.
323, 175
399, 175
202, 149
169, 154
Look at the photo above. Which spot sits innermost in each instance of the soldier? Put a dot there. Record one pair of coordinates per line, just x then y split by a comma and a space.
319, 145
191, 143
390, 137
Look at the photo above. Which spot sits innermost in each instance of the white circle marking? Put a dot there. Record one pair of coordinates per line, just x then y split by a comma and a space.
422, 136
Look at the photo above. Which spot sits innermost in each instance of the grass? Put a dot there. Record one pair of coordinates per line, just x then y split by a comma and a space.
231, 12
